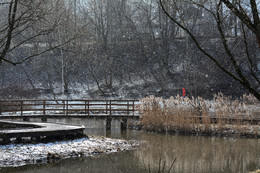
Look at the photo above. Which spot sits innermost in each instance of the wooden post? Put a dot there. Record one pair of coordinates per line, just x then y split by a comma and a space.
124, 123
19, 139
44, 118
1, 107
24, 118
88, 107
67, 107
127, 107
106, 106
133, 107
6, 140
44, 108
109, 120
63, 102
85, 107
108, 123
21, 108
110, 108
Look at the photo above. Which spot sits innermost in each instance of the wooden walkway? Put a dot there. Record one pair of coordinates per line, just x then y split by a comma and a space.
37, 131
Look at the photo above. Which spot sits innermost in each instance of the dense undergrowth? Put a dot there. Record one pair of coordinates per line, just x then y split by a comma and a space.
220, 116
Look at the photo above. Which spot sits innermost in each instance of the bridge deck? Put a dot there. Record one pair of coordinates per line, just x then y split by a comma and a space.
38, 130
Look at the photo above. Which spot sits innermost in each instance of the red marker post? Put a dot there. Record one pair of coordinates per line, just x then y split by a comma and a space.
183, 92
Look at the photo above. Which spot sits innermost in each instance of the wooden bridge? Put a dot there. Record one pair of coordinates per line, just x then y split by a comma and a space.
44, 109
68, 108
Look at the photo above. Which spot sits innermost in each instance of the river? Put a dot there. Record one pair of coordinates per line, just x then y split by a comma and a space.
192, 153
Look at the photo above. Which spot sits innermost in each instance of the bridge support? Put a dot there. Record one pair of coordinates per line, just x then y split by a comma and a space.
26, 119
19, 139
36, 138
44, 119
124, 123
108, 123
6, 140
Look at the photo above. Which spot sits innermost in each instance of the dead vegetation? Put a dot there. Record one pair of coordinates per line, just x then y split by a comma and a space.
221, 116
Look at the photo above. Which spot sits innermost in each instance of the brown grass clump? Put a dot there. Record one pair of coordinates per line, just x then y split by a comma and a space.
257, 171
222, 115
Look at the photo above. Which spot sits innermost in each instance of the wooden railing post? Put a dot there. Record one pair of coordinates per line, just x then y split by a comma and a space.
63, 102
106, 106
127, 107
110, 108
1, 107
85, 107
109, 119
67, 107
21, 108
88, 107
44, 118
44, 108
133, 107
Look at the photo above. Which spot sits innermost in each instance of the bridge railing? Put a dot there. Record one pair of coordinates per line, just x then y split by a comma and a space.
69, 107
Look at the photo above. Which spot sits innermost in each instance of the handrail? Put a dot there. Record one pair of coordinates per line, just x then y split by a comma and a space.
94, 100
46, 107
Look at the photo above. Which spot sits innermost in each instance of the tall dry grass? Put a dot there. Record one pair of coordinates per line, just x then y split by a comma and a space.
222, 115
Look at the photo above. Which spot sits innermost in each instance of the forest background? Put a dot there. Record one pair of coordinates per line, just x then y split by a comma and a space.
122, 49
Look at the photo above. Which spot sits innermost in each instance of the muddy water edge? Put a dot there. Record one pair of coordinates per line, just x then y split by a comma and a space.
192, 153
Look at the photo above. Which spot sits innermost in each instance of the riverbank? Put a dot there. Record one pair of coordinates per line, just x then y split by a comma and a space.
24, 154
196, 116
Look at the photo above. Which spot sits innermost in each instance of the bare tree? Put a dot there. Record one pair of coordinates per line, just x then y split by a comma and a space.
23, 23
234, 66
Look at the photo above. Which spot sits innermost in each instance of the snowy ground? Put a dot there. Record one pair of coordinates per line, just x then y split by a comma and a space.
22, 154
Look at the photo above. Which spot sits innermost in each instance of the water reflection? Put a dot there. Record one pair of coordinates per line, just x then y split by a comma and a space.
201, 154
194, 154
116, 163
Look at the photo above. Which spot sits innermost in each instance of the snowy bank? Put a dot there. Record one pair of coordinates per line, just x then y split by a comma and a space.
22, 154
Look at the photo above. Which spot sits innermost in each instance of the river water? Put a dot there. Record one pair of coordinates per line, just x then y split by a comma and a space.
192, 154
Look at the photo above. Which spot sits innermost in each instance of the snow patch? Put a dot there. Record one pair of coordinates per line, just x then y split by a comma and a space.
15, 155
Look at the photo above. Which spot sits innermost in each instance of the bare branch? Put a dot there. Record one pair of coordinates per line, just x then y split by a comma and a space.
198, 45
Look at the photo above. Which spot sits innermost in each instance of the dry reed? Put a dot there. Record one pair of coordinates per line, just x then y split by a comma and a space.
257, 171
222, 115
